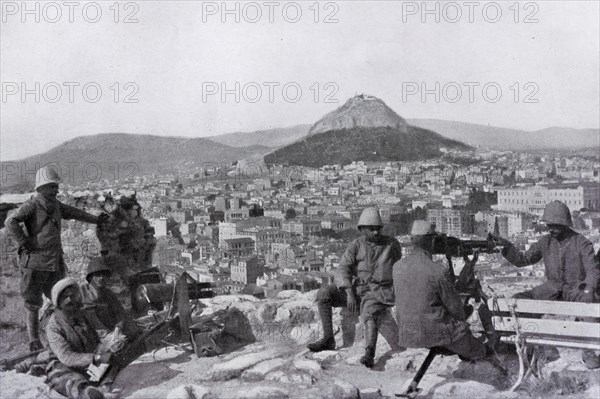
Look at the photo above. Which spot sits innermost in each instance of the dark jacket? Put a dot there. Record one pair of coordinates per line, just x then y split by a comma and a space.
569, 262
42, 220
72, 340
429, 309
101, 307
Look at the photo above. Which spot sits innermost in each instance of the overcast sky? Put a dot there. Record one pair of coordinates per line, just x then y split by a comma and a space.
176, 59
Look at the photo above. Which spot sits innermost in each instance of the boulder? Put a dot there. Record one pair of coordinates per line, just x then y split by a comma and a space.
370, 393
307, 365
259, 371
235, 367
287, 294
263, 393
326, 357
466, 389
294, 377
188, 392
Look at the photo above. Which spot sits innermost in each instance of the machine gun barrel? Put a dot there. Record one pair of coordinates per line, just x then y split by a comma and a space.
162, 292
455, 247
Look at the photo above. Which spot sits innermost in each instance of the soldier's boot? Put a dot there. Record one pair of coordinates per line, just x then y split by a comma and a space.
328, 341
389, 330
368, 359
485, 315
33, 330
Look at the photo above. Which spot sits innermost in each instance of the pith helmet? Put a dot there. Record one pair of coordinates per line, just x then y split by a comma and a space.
370, 217
96, 265
421, 228
557, 213
46, 175
59, 287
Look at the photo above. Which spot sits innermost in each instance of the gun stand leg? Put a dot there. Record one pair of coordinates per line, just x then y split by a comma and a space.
412, 390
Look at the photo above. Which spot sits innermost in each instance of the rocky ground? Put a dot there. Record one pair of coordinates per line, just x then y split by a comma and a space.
278, 366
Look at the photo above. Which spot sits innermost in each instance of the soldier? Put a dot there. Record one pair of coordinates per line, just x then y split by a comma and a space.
366, 284
101, 306
572, 271
40, 249
74, 345
429, 309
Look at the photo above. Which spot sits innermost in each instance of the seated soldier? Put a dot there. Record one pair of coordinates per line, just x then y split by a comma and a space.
101, 306
572, 271
365, 287
430, 311
74, 345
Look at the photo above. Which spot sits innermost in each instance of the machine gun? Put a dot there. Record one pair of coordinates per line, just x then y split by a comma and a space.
466, 283
455, 247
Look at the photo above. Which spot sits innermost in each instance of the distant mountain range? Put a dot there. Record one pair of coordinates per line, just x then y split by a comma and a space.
364, 128
121, 155
495, 138
512, 139
271, 137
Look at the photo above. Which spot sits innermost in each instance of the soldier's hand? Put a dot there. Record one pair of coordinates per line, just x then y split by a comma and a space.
105, 358
471, 262
499, 241
352, 303
103, 218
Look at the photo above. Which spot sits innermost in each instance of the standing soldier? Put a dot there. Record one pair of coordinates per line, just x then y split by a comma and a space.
572, 271
40, 248
366, 285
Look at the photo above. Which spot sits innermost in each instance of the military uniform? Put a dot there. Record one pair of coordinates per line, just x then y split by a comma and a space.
365, 270
429, 310
44, 265
569, 262
73, 344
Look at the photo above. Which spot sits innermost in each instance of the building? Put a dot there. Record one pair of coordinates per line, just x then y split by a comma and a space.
337, 223
533, 199
237, 247
187, 228
237, 213
451, 221
227, 231
160, 226
304, 227
246, 271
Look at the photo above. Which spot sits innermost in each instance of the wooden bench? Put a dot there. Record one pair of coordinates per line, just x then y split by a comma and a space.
519, 321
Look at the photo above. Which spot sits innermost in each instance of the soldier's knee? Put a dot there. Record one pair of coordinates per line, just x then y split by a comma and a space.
325, 293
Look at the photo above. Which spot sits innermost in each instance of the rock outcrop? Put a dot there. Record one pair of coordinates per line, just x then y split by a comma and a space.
362, 110
279, 366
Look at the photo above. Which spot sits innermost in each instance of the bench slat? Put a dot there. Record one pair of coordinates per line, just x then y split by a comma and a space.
552, 342
578, 309
541, 327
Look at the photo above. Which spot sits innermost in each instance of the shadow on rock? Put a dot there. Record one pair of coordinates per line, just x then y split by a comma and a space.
143, 375
483, 372
382, 361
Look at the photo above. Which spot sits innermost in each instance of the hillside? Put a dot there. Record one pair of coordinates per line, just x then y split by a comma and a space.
366, 144
271, 137
511, 139
359, 111
116, 156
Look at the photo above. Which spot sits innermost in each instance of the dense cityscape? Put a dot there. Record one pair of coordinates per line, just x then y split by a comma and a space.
259, 230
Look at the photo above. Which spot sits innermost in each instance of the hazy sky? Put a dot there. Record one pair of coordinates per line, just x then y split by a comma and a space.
176, 59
